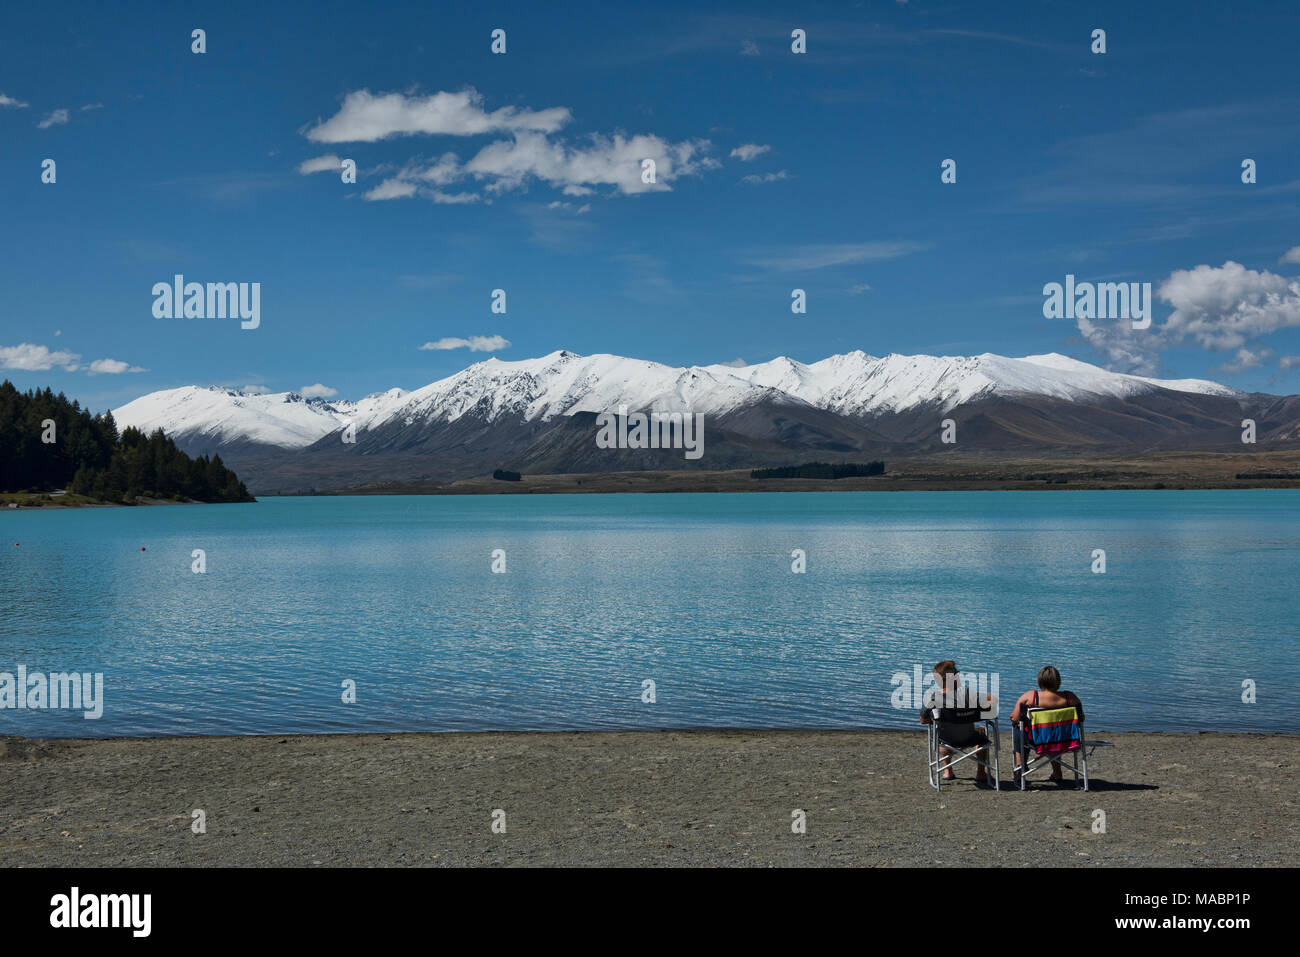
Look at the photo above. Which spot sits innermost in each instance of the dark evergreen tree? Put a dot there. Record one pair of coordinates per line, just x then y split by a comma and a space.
89, 457
822, 470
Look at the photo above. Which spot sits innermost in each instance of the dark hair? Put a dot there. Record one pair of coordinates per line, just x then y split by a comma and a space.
1049, 679
946, 668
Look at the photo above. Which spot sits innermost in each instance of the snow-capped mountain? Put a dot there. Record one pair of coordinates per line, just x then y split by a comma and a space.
284, 419
563, 384
539, 415
859, 384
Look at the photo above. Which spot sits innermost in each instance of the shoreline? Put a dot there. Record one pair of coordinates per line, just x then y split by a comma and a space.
949, 472
633, 798
560, 485
493, 732
55, 504
829, 486
1155, 472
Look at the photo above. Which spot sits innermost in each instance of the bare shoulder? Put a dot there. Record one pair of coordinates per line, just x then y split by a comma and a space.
1023, 700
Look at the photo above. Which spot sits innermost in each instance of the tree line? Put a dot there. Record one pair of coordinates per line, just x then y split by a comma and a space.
822, 470
48, 442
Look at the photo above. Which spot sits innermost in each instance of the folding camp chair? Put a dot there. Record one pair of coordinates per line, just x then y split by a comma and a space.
956, 724
1051, 734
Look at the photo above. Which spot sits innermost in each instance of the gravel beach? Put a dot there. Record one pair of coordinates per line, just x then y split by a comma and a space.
687, 798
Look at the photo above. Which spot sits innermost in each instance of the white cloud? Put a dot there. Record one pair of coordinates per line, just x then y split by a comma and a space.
510, 164
402, 186
392, 189
321, 164
92, 106
255, 389
366, 118
736, 363
1225, 307
113, 367
1292, 255
819, 256
11, 102
28, 357
1287, 363
1246, 359
507, 164
748, 48
606, 161
858, 288
1126, 349
754, 179
442, 173
416, 180
317, 391
748, 151
53, 119
438, 196
473, 344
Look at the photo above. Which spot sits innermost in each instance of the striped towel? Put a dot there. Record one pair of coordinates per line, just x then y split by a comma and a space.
1054, 731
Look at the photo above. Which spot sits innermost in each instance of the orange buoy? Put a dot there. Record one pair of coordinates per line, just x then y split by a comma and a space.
141, 548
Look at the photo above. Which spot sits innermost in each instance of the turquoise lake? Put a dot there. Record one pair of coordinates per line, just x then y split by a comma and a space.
692, 591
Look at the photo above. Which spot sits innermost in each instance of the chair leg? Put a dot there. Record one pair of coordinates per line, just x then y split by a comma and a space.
932, 750
1083, 746
997, 755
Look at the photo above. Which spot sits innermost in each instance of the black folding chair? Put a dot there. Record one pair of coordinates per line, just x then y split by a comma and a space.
965, 732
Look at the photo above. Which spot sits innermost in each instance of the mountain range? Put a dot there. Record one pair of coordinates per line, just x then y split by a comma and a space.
540, 415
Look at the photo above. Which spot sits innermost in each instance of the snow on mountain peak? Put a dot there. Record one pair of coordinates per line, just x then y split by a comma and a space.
564, 383
228, 415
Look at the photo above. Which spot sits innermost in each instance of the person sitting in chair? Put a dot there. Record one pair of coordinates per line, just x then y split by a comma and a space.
956, 720
1047, 695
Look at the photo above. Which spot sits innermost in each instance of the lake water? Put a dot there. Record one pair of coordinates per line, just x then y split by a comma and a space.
693, 592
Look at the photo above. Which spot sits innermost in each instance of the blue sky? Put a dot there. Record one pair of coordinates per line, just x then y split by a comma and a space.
519, 171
